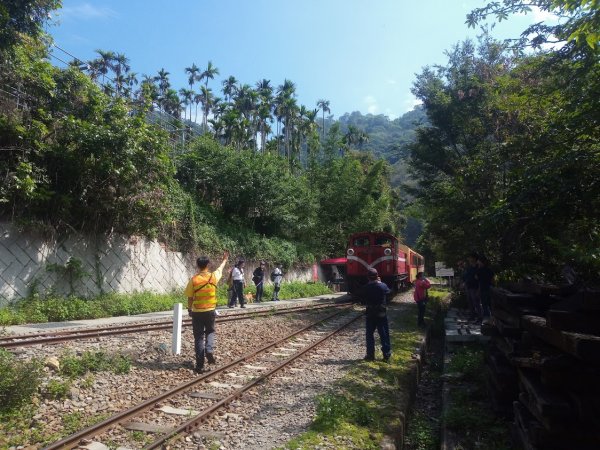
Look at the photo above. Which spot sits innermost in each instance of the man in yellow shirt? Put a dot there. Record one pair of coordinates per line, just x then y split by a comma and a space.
201, 292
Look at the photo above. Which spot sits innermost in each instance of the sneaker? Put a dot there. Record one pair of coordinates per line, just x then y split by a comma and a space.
211, 358
199, 369
369, 358
387, 358
243, 306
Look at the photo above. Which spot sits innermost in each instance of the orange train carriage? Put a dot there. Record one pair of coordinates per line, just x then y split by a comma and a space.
396, 263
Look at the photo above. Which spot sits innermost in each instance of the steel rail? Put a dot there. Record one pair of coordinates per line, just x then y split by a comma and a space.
69, 335
194, 422
73, 440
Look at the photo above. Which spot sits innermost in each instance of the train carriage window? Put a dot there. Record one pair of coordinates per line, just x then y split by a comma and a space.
383, 241
362, 241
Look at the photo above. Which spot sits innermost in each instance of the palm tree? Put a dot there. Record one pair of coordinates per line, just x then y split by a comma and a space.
229, 87
210, 72
355, 136
94, 69
265, 106
148, 90
207, 100
163, 81
120, 67
105, 62
193, 74
287, 91
323, 105
187, 97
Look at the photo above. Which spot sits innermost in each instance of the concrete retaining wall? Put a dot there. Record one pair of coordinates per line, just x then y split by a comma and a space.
115, 264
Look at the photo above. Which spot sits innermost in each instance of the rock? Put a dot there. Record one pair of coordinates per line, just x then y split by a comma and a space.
53, 363
452, 376
74, 393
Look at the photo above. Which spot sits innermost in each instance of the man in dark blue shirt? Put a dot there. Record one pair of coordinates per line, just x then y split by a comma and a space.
374, 296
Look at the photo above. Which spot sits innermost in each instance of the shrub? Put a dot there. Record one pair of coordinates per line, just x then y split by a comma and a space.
19, 381
56, 389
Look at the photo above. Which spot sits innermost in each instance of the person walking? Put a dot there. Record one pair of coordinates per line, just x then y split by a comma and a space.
420, 296
258, 277
237, 276
276, 278
201, 292
374, 296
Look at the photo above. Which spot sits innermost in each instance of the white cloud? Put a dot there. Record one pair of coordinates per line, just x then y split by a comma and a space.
390, 81
371, 103
391, 114
410, 103
87, 11
543, 16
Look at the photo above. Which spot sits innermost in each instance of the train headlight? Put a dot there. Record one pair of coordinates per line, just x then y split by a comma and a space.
350, 252
387, 252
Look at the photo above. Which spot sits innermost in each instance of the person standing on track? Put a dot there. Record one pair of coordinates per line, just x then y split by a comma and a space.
374, 296
420, 296
258, 277
237, 275
201, 292
276, 278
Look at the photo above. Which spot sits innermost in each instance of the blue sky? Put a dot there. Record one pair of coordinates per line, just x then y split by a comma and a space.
360, 55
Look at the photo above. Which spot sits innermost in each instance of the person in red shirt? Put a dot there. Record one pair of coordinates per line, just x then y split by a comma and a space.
420, 296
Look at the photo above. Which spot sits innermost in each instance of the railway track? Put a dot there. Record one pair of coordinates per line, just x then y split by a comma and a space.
24, 340
184, 408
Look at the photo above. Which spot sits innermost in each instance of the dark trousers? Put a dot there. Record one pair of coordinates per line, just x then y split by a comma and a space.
238, 293
276, 288
259, 291
421, 305
203, 324
383, 329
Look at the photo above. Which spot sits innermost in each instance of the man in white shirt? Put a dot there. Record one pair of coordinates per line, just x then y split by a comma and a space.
276, 277
237, 276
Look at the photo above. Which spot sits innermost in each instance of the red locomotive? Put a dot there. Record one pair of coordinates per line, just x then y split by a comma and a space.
396, 263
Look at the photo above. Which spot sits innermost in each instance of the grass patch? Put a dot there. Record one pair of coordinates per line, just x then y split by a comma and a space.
422, 433
77, 366
468, 414
363, 406
468, 360
59, 309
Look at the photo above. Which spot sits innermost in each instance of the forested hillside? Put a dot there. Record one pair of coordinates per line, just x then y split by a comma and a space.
96, 148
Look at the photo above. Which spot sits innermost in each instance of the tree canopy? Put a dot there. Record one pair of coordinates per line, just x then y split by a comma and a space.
509, 164
92, 149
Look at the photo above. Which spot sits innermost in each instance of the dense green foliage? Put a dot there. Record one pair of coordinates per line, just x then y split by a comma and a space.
510, 162
85, 150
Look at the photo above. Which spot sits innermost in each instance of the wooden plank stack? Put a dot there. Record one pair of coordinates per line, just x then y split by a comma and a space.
543, 365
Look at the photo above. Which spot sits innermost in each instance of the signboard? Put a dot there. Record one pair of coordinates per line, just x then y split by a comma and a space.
442, 271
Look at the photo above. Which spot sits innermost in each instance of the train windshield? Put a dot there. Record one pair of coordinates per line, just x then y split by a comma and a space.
361, 241
384, 241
